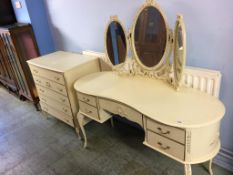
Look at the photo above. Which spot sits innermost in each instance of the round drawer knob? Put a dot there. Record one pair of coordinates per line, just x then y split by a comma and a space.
48, 84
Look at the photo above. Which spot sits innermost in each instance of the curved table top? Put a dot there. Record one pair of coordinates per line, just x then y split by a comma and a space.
156, 99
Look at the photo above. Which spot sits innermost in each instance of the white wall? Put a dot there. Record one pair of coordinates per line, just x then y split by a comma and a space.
80, 24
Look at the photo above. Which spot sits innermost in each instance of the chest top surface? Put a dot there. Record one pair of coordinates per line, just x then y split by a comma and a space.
61, 61
187, 108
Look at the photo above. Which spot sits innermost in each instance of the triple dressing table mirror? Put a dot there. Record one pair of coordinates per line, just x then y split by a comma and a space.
150, 93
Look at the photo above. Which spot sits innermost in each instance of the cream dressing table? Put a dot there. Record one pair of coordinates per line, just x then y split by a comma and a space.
183, 125
180, 122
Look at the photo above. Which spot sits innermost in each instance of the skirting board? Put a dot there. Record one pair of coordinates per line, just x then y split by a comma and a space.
225, 159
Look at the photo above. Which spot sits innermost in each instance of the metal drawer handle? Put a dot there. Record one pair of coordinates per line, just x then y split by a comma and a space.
41, 90
63, 100
57, 78
35, 71
88, 111
161, 131
38, 81
86, 99
163, 147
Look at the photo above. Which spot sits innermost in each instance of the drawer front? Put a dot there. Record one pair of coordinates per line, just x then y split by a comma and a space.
166, 131
53, 95
122, 110
48, 74
166, 145
87, 99
88, 110
59, 115
50, 85
56, 105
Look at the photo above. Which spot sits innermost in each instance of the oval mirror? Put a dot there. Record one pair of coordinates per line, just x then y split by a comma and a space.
179, 51
116, 44
150, 34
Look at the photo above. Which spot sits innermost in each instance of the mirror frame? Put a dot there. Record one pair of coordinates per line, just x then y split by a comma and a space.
168, 48
179, 53
115, 19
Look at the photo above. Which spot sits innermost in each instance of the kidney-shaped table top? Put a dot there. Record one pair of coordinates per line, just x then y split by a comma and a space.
156, 99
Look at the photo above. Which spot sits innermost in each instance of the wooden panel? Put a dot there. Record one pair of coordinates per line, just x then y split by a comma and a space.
63, 117
17, 70
50, 85
166, 145
56, 105
53, 95
87, 99
18, 44
173, 133
122, 110
7, 75
54, 76
88, 110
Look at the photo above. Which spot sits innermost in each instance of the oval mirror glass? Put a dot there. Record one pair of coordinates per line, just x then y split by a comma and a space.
116, 43
179, 51
150, 36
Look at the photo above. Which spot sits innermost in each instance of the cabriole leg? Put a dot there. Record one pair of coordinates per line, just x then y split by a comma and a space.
80, 118
77, 130
210, 167
187, 169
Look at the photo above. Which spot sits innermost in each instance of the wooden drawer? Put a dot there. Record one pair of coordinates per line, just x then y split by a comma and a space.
173, 133
166, 145
88, 110
53, 95
56, 105
59, 115
87, 99
50, 85
122, 110
48, 74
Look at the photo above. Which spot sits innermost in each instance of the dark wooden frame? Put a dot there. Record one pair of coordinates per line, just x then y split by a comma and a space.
17, 45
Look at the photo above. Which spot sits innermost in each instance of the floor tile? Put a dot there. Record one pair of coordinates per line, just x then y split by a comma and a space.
31, 144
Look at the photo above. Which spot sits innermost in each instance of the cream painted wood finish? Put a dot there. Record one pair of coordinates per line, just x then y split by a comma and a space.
174, 122
54, 75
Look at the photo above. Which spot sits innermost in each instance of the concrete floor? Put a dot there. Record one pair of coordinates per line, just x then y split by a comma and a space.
31, 144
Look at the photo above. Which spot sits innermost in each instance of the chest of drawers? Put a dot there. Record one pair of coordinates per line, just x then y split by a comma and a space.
54, 76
